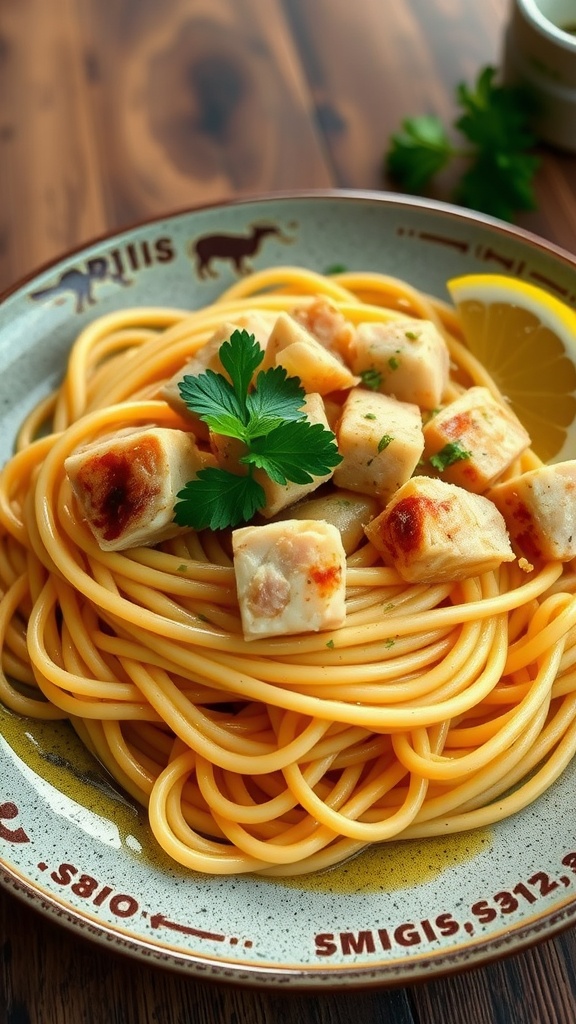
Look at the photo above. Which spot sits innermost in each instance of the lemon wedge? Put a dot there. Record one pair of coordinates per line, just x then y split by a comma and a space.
526, 339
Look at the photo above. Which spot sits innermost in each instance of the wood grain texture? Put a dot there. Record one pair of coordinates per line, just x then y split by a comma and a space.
195, 102
535, 987
115, 110
50, 180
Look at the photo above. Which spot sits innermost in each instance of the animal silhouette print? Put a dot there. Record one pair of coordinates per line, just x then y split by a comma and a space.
237, 249
80, 283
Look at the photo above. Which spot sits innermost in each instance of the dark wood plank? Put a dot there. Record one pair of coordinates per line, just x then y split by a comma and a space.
368, 73
555, 217
535, 987
50, 186
121, 111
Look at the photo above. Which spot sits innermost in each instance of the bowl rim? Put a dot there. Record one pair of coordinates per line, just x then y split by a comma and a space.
385, 198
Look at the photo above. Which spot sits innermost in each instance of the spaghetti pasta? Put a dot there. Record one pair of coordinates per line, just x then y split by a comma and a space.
436, 708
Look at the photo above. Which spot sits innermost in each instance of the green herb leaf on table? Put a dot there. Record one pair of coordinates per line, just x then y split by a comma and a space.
419, 151
499, 184
268, 417
497, 144
495, 117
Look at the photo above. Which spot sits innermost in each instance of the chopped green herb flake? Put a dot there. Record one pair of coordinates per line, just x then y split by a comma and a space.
412, 335
371, 379
452, 452
369, 416
384, 441
389, 643
330, 644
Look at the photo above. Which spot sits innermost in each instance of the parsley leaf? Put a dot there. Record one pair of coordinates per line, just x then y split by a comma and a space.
240, 358
214, 400
494, 116
269, 419
216, 499
495, 123
294, 451
499, 184
452, 452
276, 398
419, 151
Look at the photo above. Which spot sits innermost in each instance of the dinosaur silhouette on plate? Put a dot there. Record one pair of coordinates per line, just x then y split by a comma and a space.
80, 283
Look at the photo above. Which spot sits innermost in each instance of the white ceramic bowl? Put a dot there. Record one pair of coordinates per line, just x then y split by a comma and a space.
75, 846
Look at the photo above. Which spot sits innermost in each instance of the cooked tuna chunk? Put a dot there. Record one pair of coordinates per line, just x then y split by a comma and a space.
126, 486
405, 358
474, 440
381, 442
434, 532
540, 511
290, 345
290, 577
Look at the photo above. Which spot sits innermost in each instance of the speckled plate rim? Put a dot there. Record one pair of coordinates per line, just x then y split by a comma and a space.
400, 200
387, 974
509, 939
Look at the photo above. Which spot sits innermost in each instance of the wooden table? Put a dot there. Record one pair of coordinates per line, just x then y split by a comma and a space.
115, 110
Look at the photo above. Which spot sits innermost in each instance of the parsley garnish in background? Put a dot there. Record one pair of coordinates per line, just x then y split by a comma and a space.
269, 421
495, 122
448, 455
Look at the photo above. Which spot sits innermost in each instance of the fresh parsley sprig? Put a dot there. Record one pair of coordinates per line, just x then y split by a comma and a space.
269, 421
500, 165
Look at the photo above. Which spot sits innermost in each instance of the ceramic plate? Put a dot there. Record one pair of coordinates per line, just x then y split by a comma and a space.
74, 845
